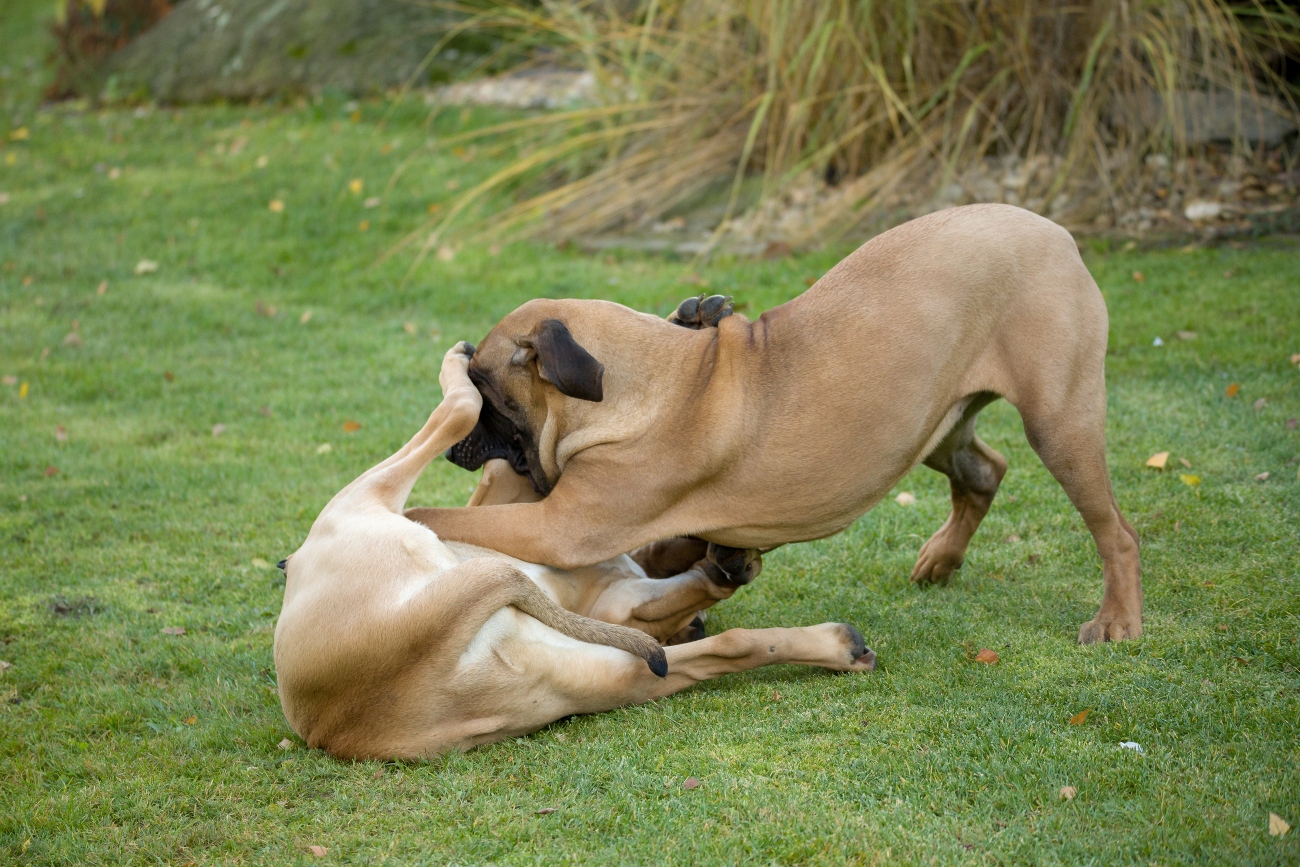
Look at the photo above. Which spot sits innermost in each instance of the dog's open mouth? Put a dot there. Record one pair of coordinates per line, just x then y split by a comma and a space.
495, 436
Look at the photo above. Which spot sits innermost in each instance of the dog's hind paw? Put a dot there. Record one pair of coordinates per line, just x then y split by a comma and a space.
732, 567
702, 311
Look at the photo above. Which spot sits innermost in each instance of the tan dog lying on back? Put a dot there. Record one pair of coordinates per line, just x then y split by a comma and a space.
757, 434
394, 644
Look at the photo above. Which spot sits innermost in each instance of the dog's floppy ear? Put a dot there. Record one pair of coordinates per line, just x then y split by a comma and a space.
562, 361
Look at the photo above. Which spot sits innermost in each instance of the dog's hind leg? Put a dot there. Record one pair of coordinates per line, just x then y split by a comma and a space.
1069, 433
974, 471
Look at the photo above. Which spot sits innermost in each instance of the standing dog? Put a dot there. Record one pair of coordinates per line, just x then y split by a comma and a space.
394, 644
755, 434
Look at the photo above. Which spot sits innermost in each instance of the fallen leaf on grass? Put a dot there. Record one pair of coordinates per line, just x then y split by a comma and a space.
190, 720
51, 471
1261, 403
446, 253
1185, 462
1013, 538
285, 744
691, 783
262, 161
1295, 359
776, 696
260, 563
10, 380
372, 202
72, 339
1068, 793
1078, 718
1262, 477
146, 266
218, 429
1277, 826
264, 410
5, 666
265, 309
19, 134
276, 206
305, 317
22, 391
1186, 335
905, 499
351, 426
319, 851
1189, 480
1158, 460
363, 226
324, 448
1222, 627
1241, 660
1231, 391
409, 327
546, 811
1138, 277
168, 375
986, 656
1291, 423
60, 433
355, 186
173, 630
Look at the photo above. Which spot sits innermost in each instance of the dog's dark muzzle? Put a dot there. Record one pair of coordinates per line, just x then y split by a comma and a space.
495, 436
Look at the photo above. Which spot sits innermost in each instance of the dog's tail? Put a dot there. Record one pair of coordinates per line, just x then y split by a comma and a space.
456, 605
531, 600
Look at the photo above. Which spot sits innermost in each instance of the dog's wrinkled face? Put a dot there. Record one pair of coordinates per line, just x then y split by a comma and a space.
517, 374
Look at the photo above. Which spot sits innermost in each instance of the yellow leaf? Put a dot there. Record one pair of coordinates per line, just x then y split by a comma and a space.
19, 134
355, 186
1158, 460
97, 6
364, 226
305, 317
1189, 479
22, 391
351, 426
276, 206
1138, 277
408, 327
1231, 391
446, 253
1277, 826
190, 720
1078, 718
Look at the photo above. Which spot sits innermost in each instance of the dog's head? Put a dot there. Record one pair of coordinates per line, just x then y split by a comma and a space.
522, 368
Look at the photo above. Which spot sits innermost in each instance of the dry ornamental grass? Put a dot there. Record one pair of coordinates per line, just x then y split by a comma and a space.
803, 119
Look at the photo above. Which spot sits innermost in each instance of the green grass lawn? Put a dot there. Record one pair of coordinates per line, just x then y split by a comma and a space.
120, 743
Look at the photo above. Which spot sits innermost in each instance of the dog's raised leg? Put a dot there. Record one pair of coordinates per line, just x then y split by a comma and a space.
974, 471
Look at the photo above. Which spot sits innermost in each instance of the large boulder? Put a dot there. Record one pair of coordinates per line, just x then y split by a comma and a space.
251, 49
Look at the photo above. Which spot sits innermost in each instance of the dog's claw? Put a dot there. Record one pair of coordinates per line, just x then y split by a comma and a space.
702, 311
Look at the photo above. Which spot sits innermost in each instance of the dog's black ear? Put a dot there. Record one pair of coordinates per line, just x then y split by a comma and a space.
563, 362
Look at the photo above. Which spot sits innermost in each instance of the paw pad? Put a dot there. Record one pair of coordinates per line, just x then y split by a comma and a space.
702, 311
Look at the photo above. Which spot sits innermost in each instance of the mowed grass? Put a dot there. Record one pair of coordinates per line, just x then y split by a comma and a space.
120, 743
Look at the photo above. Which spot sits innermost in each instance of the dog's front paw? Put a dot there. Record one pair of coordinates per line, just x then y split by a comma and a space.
702, 311
732, 567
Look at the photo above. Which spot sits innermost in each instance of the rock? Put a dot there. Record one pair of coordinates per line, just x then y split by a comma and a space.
1202, 211
250, 49
1207, 116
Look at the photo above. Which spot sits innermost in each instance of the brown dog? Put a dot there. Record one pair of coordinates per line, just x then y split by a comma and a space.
755, 434
394, 644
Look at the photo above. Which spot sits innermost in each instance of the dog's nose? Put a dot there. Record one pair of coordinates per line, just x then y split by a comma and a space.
281, 564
